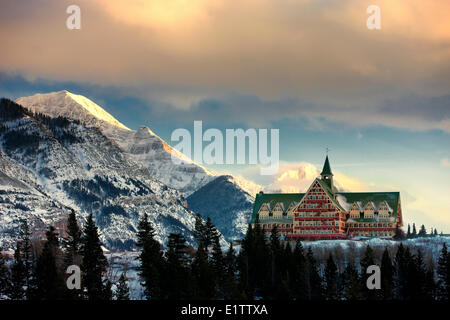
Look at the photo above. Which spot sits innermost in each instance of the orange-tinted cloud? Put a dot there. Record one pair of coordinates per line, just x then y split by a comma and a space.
180, 51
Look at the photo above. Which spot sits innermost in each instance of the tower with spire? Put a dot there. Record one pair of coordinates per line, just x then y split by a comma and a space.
326, 174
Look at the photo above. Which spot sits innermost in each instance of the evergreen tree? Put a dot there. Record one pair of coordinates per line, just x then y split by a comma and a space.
430, 285
314, 280
229, 285
203, 274
351, 283
72, 251
300, 285
275, 259
210, 233
254, 262
414, 232
18, 276
49, 281
179, 282
422, 231
151, 259
27, 256
218, 266
419, 286
400, 265
94, 262
331, 274
72, 243
244, 260
367, 260
408, 234
443, 272
200, 231
122, 291
410, 287
4, 277
399, 235
387, 275
435, 232
107, 290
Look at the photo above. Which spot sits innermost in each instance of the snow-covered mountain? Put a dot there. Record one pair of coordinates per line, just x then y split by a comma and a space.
52, 164
143, 145
226, 204
147, 149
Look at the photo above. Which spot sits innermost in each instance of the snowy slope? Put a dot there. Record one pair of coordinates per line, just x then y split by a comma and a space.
81, 168
21, 197
142, 145
71, 106
228, 206
147, 149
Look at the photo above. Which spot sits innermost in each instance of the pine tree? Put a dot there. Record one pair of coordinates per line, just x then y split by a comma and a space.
218, 266
179, 282
243, 261
4, 277
72, 243
300, 286
419, 284
410, 273
351, 283
275, 252
331, 279
400, 273
367, 260
387, 272
18, 276
94, 262
229, 285
49, 281
203, 274
422, 231
210, 233
414, 232
443, 272
27, 256
399, 235
107, 293
151, 260
408, 234
122, 291
200, 231
72, 251
430, 285
315, 282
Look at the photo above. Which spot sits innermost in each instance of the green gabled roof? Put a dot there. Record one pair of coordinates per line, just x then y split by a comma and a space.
377, 197
326, 168
330, 193
273, 199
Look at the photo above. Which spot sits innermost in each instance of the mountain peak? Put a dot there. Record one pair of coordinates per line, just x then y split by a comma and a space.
73, 106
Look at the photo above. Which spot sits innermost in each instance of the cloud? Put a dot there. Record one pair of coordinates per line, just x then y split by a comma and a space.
445, 162
297, 177
254, 61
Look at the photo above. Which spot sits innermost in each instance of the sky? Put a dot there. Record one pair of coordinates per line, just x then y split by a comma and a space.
378, 99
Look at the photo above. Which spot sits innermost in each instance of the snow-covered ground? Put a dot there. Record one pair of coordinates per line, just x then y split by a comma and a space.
342, 250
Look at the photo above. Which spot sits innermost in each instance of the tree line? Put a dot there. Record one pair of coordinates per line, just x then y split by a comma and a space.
422, 232
261, 268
